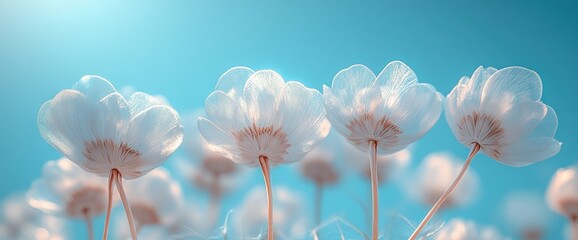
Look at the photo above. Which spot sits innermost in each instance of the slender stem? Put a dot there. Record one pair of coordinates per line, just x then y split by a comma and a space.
574, 227
374, 189
266, 176
88, 221
214, 202
127, 209
318, 201
441, 200
111, 178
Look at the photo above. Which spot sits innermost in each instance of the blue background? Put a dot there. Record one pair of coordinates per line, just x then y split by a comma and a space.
179, 49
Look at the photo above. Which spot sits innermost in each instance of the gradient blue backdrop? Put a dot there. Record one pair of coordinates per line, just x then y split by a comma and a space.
180, 48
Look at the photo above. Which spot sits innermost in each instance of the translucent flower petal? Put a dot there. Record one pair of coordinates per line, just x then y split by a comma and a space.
336, 114
225, 111
521, 119
233, 81
394, 80
94, 87
222, 142
510, 85
262, 95
302, 106
113, 116
349, 81
547, 127
140, 101
529, 151
155, 134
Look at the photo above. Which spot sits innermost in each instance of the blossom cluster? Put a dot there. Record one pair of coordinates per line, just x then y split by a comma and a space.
113, 139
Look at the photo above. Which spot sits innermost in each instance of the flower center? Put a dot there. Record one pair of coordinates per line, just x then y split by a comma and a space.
145, 214
104, 155
483, 129
269, 141
87, 201
367, 128
569, 206
320, 171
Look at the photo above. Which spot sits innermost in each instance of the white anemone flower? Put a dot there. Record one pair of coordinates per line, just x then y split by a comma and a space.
562, 196
384, 113
459, 229
436, 172
20, 221
65, 190
163, 208
100, 131
499, 113
526, 213
256, 118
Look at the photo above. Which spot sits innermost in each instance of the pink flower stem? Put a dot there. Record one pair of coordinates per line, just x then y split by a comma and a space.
444, 196
374, 189
264, 162
318, 201
127, 209
88, 221
109, 205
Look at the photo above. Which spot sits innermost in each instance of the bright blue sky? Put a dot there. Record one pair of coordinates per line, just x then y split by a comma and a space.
179, 49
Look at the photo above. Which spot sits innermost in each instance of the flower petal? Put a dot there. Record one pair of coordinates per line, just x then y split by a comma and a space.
521, 119
112, 118
396, 77
529, 151
94, 87
261, 94
66, 122
351, 80
337, 115
140, 101
417, 110
547, 127
304, 119
468, 98
233, 81
225, 112
510, 85
155, 134
221, 141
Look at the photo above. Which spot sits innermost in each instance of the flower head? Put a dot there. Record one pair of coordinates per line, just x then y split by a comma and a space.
258, 114
436, 173
67, 190
501, 111
562, 194
526, 213
96, 128
317, 166
392, 109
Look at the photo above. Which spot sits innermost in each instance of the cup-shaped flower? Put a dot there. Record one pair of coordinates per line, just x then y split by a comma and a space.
96, 128
257, 114
526, 213
501, 111
256, 118
384, 113
392, 109
65, 190
435, 174
562, 193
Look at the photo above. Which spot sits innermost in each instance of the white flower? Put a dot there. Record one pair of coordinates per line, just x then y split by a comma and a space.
392, 109
436, 173
527, 214
67, 190
501, 111
96, 128
20, 221
156, 199
562, 194
253, 114
458, 229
